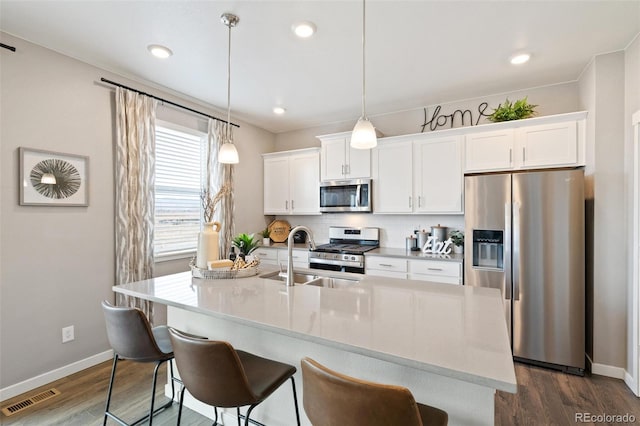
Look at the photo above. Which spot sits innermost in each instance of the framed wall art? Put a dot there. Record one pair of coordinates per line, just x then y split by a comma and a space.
53, 178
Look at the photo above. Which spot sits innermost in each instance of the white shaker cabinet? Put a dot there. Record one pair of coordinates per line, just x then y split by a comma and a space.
339, 160
542, 142
278, 256
393, 176
437, 171
437, 271
291, 182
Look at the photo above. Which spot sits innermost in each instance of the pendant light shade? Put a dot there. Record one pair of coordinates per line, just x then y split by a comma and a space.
364, 134
228, 153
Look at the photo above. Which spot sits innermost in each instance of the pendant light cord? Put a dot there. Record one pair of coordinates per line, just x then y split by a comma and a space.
364, 113
229, 86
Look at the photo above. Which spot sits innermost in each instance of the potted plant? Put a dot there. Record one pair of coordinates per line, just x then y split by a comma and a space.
513, 111
457, 238
265, 233
245, 243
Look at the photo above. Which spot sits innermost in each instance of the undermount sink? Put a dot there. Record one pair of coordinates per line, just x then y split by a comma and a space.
312, 279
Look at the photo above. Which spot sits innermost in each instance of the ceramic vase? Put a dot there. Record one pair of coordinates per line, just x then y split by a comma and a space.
458, 249
208, 244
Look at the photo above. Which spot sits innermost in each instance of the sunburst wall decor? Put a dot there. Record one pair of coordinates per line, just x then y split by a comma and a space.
53, 179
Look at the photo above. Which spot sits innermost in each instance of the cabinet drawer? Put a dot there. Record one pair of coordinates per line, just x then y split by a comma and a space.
267, 255
299, 256
435, 278
387, 274
431, 267
386, 264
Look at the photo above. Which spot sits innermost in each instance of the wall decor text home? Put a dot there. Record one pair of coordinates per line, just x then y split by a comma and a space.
465, 117
53, 178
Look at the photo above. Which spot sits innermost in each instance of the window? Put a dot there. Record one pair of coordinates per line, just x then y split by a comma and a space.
179, 159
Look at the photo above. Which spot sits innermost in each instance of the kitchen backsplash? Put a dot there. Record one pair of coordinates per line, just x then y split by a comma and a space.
393, 228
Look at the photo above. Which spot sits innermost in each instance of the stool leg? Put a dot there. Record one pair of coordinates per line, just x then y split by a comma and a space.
295, 400
180, 405
246, 419
113, 375
238, 412
153, 390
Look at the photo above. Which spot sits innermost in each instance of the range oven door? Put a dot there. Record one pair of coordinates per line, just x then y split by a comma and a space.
346, 196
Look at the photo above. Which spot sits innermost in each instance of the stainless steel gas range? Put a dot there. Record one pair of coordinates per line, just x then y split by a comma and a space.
346, 249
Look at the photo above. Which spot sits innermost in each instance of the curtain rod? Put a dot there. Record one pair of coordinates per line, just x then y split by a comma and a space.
165, 101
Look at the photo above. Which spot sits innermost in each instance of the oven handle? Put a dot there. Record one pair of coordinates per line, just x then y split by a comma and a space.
336, 262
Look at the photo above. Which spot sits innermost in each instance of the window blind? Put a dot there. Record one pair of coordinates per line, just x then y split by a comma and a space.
179, 159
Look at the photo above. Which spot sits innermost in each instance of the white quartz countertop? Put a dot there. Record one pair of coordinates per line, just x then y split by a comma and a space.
450, 330
418, 254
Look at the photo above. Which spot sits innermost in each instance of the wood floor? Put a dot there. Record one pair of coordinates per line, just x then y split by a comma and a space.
544, 398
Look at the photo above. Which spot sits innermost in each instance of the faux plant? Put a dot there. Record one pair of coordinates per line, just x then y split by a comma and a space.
457, 238
513, 111
265, 233
209, 202
246, 243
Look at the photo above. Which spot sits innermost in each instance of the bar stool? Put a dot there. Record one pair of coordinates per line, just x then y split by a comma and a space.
219, 375
132, 338
332, 399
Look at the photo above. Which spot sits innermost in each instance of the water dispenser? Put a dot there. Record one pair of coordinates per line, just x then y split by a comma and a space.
488, 249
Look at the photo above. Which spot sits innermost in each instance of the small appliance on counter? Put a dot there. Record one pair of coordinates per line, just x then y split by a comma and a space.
300, 237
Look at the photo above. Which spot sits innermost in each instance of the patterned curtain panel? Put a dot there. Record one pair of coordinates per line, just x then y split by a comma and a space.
218, 175
135, 175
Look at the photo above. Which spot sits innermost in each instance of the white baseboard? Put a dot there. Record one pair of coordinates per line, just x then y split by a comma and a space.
632, 383
53, 375
608, 370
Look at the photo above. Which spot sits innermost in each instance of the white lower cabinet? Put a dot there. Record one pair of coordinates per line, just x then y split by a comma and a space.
435, 271
278, 256
414, 269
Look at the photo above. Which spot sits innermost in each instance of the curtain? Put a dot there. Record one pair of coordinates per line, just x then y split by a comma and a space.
216, 176
135, 175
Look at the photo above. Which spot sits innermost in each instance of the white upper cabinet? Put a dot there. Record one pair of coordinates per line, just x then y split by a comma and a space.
340, 161
419, 174
393, 176
291, 182
491, 150
437, 171
543, 142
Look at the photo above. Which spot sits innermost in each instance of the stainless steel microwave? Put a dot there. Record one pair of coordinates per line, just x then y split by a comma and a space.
352, 195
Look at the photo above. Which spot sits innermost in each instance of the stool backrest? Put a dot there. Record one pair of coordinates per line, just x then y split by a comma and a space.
211, 371
332, 399
130, 334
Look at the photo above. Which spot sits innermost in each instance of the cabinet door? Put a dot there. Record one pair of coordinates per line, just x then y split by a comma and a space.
333, 159
358, 162
393, 180
548, 145
276, 185
489, 151
304, 176
438, 175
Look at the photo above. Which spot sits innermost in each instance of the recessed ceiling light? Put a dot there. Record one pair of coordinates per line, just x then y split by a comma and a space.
279, 110
159, 51
304, 29
520, 58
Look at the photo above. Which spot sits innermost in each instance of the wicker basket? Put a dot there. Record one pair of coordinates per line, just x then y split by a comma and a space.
222, 274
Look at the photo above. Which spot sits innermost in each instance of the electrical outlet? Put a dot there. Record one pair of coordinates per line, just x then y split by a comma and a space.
67, 334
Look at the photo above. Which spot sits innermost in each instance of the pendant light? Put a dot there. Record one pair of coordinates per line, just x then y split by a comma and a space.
228, 153
364, 134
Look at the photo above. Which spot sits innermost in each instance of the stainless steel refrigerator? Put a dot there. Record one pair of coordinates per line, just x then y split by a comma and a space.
524, 234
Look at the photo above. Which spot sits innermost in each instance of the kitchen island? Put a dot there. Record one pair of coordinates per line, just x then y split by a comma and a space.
447, 344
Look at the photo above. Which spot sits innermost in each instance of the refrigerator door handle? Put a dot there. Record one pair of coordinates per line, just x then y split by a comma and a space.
516, 251
507, 251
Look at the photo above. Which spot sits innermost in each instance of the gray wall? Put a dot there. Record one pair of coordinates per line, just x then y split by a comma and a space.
602, 92
57, 264
631, 105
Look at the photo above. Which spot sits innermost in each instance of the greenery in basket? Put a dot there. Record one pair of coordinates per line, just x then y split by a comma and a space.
246, 243
265, 233
513, 111
457, 238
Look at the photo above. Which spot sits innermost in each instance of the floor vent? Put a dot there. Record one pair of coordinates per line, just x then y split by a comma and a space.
30, 402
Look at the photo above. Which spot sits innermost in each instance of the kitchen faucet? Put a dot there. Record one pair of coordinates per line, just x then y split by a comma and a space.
312, 245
